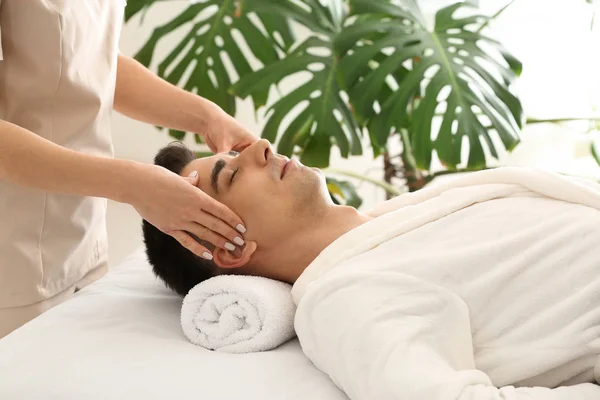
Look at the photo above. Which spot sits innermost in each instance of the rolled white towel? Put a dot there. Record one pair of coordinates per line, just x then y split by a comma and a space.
239, 314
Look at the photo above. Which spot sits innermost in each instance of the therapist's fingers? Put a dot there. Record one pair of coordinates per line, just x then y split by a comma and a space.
192, 245
206, 234
218, 217
193, 178
172, 203
222, 212
223, 231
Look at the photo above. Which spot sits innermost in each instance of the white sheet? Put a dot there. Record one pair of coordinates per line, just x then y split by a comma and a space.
120, 338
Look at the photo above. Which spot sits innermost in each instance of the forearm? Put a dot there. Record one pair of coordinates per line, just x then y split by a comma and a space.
143, 96
30, 160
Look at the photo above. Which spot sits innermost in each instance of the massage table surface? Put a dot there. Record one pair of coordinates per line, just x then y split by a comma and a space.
120, 338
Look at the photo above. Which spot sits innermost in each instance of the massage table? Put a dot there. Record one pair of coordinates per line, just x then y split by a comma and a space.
120, 338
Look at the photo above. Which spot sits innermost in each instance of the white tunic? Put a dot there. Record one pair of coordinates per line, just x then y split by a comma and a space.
57, 79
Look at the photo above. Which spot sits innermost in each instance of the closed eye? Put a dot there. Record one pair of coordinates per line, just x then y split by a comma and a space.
233, 175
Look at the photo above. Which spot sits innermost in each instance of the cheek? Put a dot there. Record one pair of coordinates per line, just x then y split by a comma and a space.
246, 195
256, 196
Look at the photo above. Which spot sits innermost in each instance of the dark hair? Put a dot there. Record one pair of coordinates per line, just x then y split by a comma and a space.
179, 268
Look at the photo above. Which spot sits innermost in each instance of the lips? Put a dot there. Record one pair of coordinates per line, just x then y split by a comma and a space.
284, 168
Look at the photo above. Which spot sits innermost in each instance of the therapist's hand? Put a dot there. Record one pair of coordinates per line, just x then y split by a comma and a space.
175, 206
224, 133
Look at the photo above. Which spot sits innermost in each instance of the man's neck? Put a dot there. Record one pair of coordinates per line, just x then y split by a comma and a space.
293, 255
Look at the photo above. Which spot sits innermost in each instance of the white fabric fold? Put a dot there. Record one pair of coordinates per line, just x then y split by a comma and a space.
238, 314
486, 288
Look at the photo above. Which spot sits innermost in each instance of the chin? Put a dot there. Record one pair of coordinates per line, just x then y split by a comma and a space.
319, 174
316, 176
310, 188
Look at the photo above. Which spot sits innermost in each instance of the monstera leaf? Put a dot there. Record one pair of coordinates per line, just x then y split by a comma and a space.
372, 65
444, 74
595, 147
323, 115
343, 192
136, 6
209, 41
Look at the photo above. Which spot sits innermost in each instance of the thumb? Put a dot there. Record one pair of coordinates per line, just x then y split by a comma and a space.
211, 145
193, 178
242, 146
221, 146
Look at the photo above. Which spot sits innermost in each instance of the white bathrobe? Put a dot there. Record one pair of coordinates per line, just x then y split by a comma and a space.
484, 288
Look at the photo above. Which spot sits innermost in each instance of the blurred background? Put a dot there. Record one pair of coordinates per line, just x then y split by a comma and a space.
556, 41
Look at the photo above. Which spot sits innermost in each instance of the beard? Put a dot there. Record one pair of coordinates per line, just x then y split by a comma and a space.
310, 194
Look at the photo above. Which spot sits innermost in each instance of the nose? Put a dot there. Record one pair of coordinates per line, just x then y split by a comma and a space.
259, 152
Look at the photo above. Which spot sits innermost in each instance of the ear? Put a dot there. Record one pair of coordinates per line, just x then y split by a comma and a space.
239, 258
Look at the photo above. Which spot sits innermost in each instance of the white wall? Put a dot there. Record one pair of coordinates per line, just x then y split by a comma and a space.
560, 79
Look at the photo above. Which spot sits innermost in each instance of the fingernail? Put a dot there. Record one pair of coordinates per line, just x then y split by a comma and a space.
239, 241
207, 255
229, 246
193, 174
241, 228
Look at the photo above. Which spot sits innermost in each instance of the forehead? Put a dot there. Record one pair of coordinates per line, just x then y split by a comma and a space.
204, 166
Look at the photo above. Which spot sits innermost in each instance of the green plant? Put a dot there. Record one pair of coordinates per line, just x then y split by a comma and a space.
374, 68
208, 42
343, 192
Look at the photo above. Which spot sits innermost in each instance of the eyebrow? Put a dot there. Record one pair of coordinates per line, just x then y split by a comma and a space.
214, 176
219, 165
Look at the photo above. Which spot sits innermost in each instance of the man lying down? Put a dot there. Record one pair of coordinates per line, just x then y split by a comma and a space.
487, 287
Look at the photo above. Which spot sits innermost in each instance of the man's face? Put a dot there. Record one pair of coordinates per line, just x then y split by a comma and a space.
271, 194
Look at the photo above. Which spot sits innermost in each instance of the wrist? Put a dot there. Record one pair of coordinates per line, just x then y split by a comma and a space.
123, 178
206, 116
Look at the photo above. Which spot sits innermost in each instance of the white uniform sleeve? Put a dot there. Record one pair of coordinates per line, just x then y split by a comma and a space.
390, 336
